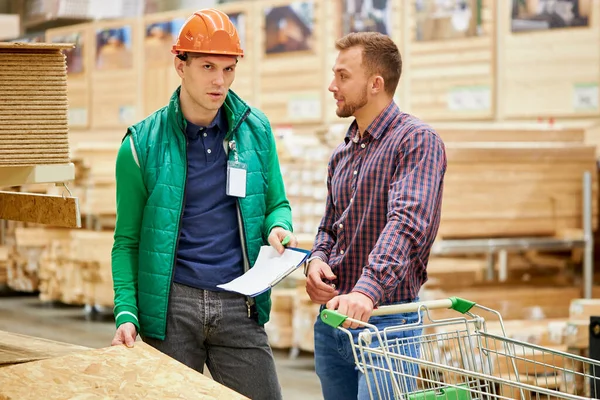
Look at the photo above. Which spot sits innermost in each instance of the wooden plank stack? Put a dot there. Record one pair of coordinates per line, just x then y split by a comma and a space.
33, 104
4, 253
515, 180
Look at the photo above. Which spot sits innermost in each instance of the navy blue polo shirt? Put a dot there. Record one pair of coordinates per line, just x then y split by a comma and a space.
210, 251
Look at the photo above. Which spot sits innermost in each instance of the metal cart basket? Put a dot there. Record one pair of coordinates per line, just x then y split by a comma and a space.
457, 358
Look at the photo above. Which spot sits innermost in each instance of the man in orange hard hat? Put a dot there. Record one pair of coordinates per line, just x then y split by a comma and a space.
199, 191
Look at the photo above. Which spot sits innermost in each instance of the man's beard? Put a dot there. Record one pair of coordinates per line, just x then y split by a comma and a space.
349, 109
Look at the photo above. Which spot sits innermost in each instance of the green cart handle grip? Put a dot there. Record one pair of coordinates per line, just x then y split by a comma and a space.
335, 319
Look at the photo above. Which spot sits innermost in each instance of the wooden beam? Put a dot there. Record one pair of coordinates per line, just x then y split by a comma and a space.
40, 209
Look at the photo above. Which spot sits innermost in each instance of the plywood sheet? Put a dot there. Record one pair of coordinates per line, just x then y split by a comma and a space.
16, 348
450, 60
549, 72
113, 372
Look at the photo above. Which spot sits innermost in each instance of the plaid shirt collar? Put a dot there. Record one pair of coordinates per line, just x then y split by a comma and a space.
379, 125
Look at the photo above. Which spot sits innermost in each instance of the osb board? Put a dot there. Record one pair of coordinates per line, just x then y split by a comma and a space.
16, 348
342, 22
40, 209
140, 372
160, 32
290, 70
450, 72
245, 18
79, 61
32, 47
116, 79
549, 73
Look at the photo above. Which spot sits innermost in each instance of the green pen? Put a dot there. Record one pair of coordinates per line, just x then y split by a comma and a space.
285, 240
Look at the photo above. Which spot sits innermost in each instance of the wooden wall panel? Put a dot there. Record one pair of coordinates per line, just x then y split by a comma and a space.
550, 73
79, 67
290, 61
160, 32
244, 16
116, 79
450, 72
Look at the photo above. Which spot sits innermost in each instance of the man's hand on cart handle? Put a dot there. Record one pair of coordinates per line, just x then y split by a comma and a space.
354, 305
319, 286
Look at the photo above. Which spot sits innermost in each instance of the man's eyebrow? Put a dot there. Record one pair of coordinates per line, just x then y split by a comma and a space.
339, 69
215, 65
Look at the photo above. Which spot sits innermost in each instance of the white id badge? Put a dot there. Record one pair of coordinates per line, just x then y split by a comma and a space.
236, 179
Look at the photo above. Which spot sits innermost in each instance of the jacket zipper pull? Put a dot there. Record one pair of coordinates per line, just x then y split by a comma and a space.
248, 305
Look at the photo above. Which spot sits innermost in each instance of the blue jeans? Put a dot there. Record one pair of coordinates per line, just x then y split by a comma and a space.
336, 367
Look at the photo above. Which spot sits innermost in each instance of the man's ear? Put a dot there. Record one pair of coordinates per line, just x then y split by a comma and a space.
179, 64
377, 84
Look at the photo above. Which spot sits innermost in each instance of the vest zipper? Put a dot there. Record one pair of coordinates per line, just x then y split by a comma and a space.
180, 215
249, 300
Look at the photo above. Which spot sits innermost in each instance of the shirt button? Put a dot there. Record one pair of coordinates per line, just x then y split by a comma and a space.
341, 226
209, 151
363, 145
341, 251
355, 172
205, 134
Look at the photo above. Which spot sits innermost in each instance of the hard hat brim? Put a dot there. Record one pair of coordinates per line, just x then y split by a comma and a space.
214, 53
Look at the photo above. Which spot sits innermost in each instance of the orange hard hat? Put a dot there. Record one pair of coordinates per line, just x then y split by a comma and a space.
208, 31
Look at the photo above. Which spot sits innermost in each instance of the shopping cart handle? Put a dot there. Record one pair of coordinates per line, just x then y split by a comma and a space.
335, 319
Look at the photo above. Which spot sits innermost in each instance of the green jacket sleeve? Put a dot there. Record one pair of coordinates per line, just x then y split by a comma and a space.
279, 212
131, 200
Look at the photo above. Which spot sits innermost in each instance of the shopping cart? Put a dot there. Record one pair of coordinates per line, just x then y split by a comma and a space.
457, 358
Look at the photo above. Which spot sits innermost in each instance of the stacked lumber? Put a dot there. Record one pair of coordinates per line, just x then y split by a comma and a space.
112, 372
33, 104
577, 330
279, 328
531, 267
495, 189
4, 252
305, 315
96, 180
77, 270
91, 255
512, 301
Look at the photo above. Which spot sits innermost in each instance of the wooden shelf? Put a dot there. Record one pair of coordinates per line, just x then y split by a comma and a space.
30, 174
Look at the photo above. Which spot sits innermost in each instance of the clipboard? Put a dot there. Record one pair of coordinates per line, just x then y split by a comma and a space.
269, 269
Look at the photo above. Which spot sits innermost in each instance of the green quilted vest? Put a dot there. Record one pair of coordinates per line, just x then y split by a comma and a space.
160, 144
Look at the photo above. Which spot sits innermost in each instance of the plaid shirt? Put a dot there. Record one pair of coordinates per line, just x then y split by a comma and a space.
383, 207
